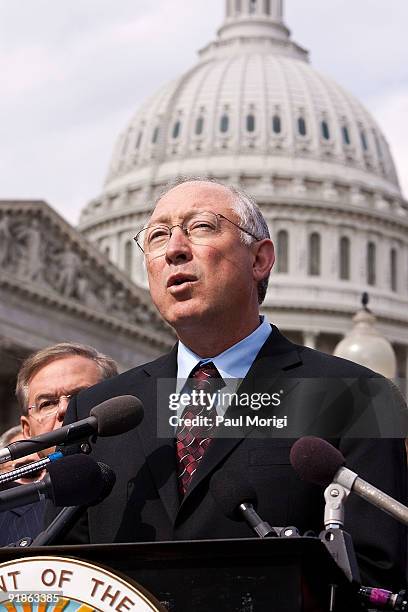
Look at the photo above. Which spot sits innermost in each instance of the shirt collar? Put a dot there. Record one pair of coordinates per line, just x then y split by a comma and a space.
235, 362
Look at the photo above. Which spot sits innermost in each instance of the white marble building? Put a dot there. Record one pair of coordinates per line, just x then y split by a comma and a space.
56, 287
254, 112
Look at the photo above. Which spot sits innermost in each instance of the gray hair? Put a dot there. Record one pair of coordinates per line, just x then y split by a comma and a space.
43, 357
247, 210
8, 435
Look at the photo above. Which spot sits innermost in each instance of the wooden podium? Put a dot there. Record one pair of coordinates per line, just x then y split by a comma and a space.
248, 575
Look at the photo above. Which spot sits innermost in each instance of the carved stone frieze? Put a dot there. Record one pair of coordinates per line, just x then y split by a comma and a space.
40, 250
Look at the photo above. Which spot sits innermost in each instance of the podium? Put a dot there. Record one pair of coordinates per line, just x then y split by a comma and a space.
245, 575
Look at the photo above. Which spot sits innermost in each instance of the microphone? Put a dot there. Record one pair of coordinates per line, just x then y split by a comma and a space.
114, 416
237, 499
29, 468
74, 480
68, 516
318, 462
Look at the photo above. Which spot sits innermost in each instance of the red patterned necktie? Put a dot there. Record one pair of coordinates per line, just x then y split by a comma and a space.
193, 441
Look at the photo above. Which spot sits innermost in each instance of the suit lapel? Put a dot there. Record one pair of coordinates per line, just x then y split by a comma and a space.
160, 451
276, 355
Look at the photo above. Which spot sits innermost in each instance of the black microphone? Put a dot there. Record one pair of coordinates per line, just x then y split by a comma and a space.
110, 418
237, 499
74, 480
317, 461
68, 516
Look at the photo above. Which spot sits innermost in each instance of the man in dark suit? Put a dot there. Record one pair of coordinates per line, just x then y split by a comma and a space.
45, 382
28, 519
22, 522
208, 257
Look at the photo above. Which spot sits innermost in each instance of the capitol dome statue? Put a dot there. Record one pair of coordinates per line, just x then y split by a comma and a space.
253, 112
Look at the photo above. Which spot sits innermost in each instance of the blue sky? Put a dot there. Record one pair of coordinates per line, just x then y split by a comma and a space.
73, 73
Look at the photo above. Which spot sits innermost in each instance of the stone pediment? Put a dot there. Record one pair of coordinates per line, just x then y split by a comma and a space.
45, 259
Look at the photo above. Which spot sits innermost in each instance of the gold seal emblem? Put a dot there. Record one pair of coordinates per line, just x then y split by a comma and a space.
59, 584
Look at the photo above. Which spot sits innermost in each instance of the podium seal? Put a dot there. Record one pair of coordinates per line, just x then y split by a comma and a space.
63, 584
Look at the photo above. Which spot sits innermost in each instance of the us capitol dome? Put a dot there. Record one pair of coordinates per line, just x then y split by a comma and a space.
253, 112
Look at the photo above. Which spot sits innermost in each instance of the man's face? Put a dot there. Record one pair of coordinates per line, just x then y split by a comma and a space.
64, 376
219, 276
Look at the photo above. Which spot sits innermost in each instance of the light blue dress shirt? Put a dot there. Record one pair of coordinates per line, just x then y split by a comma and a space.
232, 364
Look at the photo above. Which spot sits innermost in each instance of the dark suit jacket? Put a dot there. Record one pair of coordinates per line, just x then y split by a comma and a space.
145, 504
23, 522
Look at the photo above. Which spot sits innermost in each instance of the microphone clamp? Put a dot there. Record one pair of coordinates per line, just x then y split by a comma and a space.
335, 496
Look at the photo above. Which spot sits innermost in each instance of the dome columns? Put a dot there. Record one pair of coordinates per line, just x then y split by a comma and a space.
254, 19
298, 186
262, 8
329, 192
356, 197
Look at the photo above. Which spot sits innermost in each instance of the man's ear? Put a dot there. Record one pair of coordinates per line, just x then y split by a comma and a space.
264, 259
25, 426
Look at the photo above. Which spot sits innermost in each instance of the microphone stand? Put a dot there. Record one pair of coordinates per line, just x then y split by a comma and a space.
337, 541
340, 545
59, 527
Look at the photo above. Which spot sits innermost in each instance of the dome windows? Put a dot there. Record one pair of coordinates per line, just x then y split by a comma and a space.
199, 126
250, 122
139, 140
282, 254
224, 123
276, 124
238, 6
314, 254
371, 264
156, 133
267, 7
377, 145
393, 270
363, 139
176, 129
129, 257
301, 125
346, 135
325, 130
344, 271
252, 6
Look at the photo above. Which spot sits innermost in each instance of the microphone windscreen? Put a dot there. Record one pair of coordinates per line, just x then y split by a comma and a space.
315, 460
108, 478
76, 480
118, 415
230, 489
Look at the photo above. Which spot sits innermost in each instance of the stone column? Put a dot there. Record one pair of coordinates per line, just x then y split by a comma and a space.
383, 264
329, 256
299, 241
359, 246
310, 339
115, 255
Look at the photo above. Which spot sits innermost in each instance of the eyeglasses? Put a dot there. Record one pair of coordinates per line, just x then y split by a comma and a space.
47, 407
200, 228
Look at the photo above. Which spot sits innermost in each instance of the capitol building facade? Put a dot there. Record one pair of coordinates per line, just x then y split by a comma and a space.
254, 113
